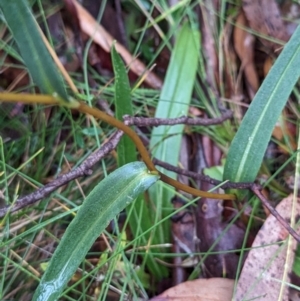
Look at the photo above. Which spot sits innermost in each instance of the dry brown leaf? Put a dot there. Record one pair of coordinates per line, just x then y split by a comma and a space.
101, 37
244, 47
264, 18
209, 31
231, 79
214, 289
264, 269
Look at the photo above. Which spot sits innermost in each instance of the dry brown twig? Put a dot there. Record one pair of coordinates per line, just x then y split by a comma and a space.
143, 121
85, 169
255, 188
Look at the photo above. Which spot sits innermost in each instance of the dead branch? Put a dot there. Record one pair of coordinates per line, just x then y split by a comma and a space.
201, 177
84, 169
143, 121
257, 191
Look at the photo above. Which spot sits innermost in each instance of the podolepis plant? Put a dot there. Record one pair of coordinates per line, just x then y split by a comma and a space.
124, 185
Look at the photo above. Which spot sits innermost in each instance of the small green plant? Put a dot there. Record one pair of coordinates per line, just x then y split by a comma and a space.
45, 74
120, 189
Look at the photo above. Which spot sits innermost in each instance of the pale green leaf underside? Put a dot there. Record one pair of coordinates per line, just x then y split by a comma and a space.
176, 95
174, 101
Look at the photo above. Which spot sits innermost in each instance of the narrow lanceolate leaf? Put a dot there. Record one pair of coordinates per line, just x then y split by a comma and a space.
126, 148
174, 102
250, 143
104, 202
33, 51
138, 212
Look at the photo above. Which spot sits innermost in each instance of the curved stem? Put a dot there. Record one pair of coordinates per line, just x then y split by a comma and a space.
145, 156
83, 108
196, 192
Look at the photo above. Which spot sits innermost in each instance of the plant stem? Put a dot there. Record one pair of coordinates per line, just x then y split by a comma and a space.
83, 108
29, 98
145, 156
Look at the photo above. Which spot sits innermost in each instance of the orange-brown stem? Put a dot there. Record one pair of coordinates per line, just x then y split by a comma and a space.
83, 108
145, 156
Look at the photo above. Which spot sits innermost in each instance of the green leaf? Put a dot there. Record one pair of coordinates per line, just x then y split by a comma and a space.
174, 101
126, 148
105, 201
250, 143
138, 213
35, 55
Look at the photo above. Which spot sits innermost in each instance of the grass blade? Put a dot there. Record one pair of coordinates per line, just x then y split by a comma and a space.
36, 57
104, 202
250, 143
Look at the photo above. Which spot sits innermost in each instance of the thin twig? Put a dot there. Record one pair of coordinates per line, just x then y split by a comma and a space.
257, 191
255, 188
84, 108
143, 121
203, 178
83, 170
